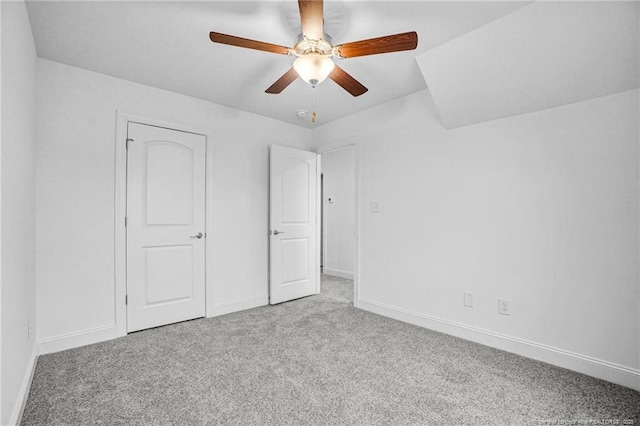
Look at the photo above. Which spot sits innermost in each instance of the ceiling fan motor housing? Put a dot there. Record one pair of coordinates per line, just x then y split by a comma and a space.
303, 45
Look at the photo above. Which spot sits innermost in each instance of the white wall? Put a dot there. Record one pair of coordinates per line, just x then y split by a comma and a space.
541, 209
339, 215
76, 111
18, 208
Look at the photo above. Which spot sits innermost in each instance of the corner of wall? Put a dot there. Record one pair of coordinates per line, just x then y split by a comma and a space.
18, 347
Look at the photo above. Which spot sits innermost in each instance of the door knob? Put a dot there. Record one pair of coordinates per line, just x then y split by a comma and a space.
198, 235
276, 232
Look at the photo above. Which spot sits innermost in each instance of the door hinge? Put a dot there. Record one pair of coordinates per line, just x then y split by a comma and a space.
129, 140
125, 221
126, 299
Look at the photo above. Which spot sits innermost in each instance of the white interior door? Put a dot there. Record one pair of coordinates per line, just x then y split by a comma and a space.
294, 217
165, 226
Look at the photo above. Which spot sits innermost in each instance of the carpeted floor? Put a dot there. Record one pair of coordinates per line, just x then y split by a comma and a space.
313, 361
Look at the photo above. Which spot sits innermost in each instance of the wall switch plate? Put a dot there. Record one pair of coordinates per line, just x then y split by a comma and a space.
504, 306
374, 206
468, 300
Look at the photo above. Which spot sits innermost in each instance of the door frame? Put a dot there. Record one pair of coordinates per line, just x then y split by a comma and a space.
322, 227
351, 142
120, 209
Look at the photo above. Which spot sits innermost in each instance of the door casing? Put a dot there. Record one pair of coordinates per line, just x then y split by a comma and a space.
120, 209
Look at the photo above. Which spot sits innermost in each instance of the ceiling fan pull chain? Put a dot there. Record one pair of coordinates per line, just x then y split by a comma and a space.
314, 116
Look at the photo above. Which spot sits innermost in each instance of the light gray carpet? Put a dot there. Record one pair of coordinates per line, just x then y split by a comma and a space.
314, 361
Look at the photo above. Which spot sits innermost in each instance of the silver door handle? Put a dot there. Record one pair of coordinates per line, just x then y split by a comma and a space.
198, 235
276, 232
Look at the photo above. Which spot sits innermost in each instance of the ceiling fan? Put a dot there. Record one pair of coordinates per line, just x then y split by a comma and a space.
314, 50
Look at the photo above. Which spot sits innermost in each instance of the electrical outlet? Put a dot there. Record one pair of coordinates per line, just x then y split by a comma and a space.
504, 306
468, 300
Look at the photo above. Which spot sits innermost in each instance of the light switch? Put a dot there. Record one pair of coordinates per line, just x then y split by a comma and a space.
374, 206
468, 300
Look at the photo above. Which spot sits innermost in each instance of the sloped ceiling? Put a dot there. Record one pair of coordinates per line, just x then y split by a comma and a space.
543, 55
165, 44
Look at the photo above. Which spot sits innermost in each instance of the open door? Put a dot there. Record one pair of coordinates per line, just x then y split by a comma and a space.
294, 224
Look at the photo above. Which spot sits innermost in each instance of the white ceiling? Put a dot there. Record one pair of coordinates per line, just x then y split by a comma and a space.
166, 45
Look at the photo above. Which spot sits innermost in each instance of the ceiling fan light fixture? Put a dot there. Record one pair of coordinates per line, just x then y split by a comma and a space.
313, 68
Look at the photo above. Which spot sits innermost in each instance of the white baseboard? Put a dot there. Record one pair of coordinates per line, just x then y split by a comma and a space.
77, 339
23, 393
337, 273
239, 305
611, 372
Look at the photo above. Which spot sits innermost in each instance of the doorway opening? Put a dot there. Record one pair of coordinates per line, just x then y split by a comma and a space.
338, 216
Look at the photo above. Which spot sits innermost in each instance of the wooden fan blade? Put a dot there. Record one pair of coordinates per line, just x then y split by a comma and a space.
374, 46
347, 82
248, 43
282, 83
311, 12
